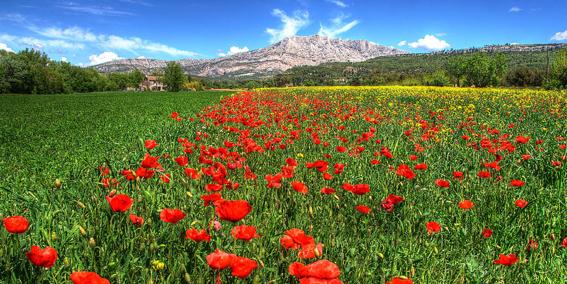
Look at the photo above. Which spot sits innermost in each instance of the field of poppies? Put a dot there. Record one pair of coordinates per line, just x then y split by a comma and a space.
296, 185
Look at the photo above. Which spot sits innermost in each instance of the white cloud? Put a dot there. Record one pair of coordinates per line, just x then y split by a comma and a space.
72, 33
4, 46
234, 50
64, 59
338, 27
559, 36
430, 42
103, 57
93, 10
133, 44
402, 43
338, 3
515, 9
141, 57
36, 43
290, 24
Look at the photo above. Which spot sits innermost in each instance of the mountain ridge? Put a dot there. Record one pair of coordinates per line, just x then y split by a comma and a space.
278, 57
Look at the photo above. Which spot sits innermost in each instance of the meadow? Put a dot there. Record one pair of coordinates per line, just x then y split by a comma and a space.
294, 185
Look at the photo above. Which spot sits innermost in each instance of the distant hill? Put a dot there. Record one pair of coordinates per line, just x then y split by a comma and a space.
274, 59
396, 68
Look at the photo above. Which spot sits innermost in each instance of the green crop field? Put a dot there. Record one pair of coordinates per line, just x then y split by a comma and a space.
308, 185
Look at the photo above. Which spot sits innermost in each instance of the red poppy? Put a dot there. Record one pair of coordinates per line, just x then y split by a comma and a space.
165, 178
442, 183
119, 202
466, 204
244, 232
171, 215
358, 189
310, 250
85, 277
242, 267
295, 238
432, 227
213, 187
522, 139
192, 173
341, 149
219, 259
150, 162
564, 243
521, 203
321, 270
299, 187
291, 162
420, 167
232, 210
274, 181
458, 175
136, 220
486, 233
142, 172
483, 174
182, 161
400, 280
506, 260
197, 235
517, 183
211, 198
339, 168
150, 144
327, 190
16, 224
42, 257
390, 202
363, 209
405, 171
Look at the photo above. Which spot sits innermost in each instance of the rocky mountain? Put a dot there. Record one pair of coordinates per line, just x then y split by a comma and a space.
281, 56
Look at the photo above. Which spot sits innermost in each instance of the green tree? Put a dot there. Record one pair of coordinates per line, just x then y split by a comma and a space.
135, 78
173, 77
559, 69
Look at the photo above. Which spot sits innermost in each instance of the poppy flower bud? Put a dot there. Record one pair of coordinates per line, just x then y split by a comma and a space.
317, 252
81, 204
92, 242
82, 231
187, 278
57, 183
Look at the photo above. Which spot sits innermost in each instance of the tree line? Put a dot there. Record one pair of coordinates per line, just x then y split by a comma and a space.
32, 72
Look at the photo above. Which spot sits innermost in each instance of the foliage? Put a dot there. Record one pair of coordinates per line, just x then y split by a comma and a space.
32, 72
524, 77
173, 77
559, 69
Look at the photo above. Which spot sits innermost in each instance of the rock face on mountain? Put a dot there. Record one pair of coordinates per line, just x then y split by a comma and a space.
288, 53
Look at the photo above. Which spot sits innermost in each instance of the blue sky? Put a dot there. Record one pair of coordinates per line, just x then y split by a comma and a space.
93, 31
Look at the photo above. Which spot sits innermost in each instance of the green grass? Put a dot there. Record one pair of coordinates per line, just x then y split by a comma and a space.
68, 137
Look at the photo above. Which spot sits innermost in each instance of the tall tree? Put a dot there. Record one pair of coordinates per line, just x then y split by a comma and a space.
559, 69
173, 77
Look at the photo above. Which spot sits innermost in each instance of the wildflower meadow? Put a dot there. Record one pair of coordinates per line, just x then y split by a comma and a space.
289, 185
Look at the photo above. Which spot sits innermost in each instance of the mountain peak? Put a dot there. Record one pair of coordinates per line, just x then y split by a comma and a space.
278, 57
